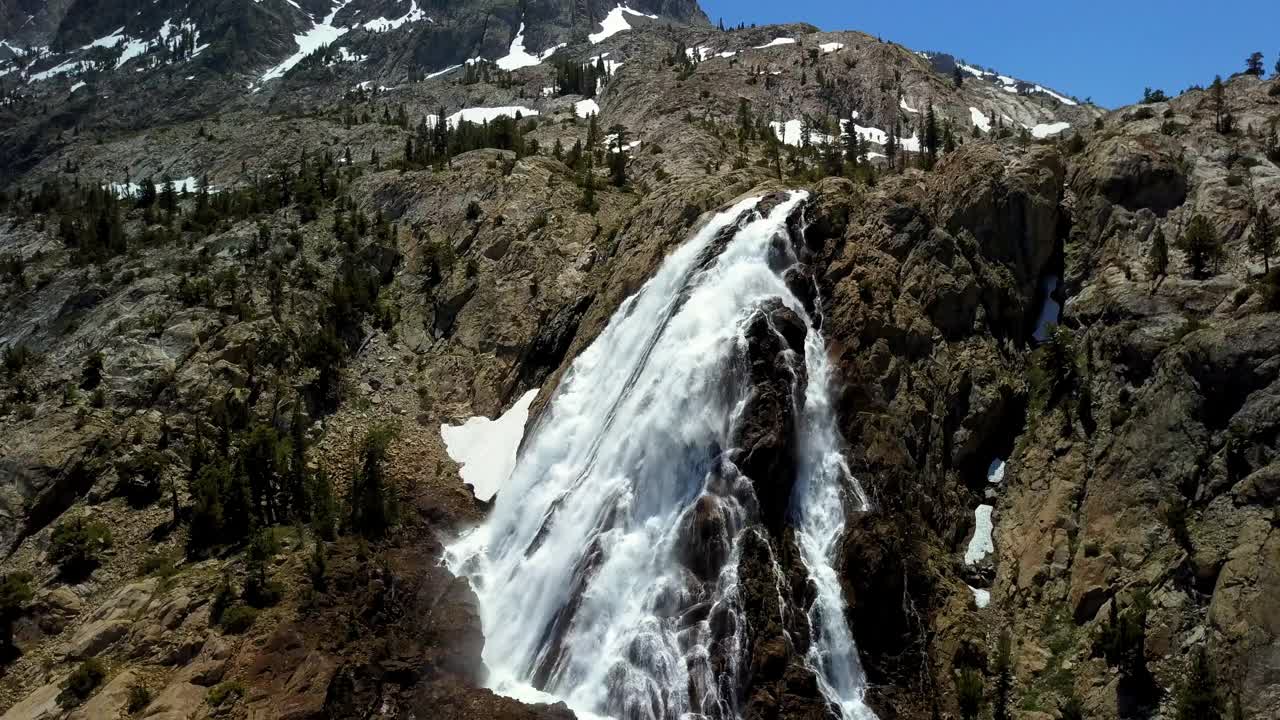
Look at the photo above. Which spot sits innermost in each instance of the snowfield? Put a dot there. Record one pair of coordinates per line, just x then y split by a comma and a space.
486, 449
980, 119
519, 57
1044, 130
616, 22
308, 42
995, 472
981, 544
484, 115
415, 14
776, 42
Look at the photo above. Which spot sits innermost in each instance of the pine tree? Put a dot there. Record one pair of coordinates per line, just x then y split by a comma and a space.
1263, 241
1004, 677
1253, 65
1218, 92
1202, 246
970, 691
957, 77
374, 508
930, 137
618, 156
588, 201
1158, 256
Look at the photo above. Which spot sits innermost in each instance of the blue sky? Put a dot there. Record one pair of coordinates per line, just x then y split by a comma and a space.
1109, 50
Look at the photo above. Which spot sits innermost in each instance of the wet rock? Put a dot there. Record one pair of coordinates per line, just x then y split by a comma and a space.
705, 539
767, 432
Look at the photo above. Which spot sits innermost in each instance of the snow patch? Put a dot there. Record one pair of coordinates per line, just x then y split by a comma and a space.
486, 449
981, 544
616, 22
776, 42
699, 53
381, 24
323, 33
77, 86
1044, 130
609, 65
791, 133
832, 47
609, 141
995, 472
981, 598
980, 119
484, 115
518, 57
902, 103
438, 73
188, 184
586, 108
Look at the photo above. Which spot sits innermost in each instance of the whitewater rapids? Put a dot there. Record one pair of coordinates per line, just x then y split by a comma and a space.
583, 594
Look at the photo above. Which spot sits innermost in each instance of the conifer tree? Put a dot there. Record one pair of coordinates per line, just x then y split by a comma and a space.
1004, 677
374, 509
1263, 241
930, 137
1202, 247
618, 156
1253, 65
1158, 256
588, 201
1218, 92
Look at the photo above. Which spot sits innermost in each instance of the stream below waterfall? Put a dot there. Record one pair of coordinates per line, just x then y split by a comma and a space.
587, 585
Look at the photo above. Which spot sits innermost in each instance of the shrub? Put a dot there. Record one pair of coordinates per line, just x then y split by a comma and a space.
225, 693
17, 358
969, 693
15, 593
473, 211
161, 563
1198, 698
81, 683
139, 698
77, 546
238, 619
259, 590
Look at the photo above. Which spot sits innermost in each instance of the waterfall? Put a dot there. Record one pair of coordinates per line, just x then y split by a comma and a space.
607, 572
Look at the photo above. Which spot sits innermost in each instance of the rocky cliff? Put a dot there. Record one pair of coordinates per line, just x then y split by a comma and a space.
326, 281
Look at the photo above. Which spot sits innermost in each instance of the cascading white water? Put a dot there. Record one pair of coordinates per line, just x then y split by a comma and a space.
583, 593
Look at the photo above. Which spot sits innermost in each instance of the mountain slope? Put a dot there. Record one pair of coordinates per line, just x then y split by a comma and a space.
370, 243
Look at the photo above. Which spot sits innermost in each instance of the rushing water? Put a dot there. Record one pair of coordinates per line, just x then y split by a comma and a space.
583, 569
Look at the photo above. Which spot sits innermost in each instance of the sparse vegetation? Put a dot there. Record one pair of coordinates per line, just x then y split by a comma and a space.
81, 683
77, 545
15, 593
